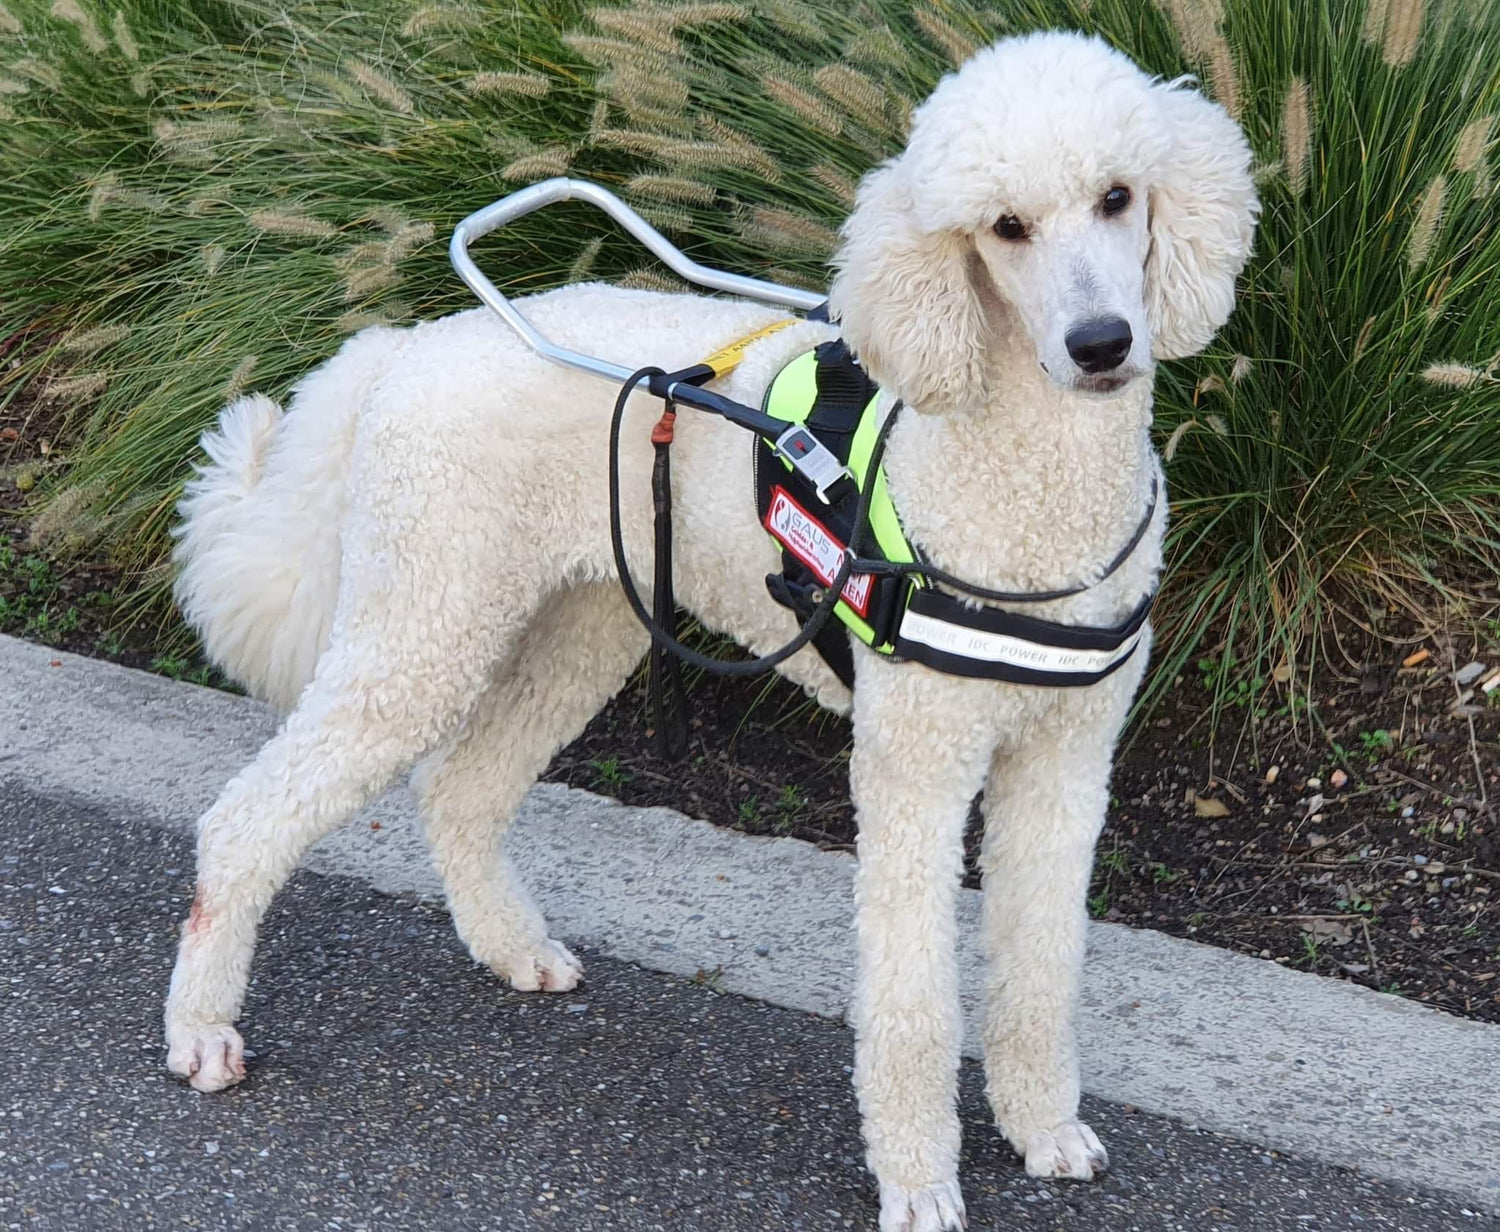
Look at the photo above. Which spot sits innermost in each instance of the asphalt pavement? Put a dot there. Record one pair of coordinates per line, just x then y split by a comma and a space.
397, 1086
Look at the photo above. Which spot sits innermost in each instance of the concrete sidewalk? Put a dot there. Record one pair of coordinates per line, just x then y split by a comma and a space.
1275, 1057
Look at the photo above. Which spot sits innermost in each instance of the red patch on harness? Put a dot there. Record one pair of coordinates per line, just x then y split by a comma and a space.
809, 541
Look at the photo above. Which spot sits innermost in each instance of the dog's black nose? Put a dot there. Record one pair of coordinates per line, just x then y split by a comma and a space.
1100, 344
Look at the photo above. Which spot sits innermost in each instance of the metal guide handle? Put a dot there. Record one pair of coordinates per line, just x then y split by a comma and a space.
561, 188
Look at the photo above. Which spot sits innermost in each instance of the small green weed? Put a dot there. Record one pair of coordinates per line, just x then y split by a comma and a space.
710, 979
179, 667
1231, 687
1376, 744
607, 770
791, 803
34, 601
1310, 951
1295, 706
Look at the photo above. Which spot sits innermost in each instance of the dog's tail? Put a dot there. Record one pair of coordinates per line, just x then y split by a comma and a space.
258, 541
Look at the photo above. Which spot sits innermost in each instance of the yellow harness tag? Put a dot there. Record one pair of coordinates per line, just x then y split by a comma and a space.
725, 361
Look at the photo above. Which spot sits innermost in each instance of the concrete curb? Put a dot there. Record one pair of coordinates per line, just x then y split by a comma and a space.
1289, 1060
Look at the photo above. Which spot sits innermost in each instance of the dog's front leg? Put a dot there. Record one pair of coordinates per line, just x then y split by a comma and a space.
921, 744
1044, 804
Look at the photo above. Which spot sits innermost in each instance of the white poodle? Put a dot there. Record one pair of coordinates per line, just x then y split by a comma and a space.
415, 563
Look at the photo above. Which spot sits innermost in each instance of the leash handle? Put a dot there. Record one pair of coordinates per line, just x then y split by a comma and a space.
561, 188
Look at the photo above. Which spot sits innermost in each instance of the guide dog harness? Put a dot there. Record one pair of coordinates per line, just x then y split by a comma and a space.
900, 612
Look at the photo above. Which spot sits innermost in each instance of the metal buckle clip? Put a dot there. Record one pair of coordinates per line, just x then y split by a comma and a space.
811, 459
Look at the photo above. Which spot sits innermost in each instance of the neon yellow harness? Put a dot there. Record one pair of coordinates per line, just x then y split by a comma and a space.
793, 396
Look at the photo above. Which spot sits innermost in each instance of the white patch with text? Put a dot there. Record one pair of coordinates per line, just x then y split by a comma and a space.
809, 541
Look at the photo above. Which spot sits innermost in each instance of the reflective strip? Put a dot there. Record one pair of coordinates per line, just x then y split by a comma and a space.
1014, 651
725, 361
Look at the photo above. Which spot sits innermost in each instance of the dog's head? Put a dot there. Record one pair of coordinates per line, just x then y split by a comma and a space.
1048, 186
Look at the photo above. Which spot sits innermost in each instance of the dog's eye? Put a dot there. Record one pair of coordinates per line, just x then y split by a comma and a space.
1010, 228
1115, 200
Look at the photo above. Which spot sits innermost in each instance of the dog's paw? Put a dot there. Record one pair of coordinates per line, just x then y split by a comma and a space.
211, 1057
937, 1208
548, 967
1071, 1150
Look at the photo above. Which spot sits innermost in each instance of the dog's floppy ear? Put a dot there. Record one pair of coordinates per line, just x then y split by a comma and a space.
1203, 211
903, 298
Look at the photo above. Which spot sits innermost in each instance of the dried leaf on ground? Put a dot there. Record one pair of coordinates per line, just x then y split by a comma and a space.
1335, 932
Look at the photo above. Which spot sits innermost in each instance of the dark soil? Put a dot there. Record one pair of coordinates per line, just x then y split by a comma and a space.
1353, 833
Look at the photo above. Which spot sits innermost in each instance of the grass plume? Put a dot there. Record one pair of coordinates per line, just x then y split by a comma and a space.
92, 340
1424, 228
648, 27
856, 93
805, 106
582, 268
956, 45
82, 21
435, 17
277, 222
1296, 134
379, 86
651, 279
1454, 376
672, 188
528, 85
1403, 31
124, 40
239, 380
75, 388
538, 165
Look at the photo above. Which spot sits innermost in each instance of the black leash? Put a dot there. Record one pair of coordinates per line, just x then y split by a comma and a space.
665, 639
669, 704
891, 568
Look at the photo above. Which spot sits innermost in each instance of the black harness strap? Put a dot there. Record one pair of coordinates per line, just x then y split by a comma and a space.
1100, 651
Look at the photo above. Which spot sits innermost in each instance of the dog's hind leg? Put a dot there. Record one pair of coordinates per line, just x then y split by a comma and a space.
1043, 807
380, 699
574, 657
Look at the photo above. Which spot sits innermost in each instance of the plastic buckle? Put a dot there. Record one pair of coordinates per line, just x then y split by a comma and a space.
813, 460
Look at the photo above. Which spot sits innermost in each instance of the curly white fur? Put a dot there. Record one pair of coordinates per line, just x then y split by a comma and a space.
415, 562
